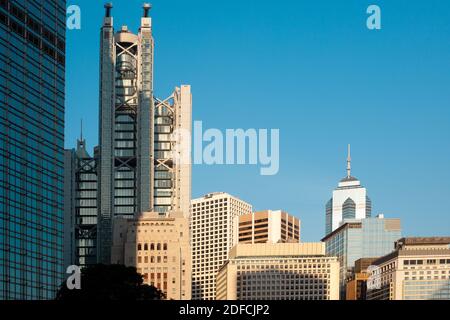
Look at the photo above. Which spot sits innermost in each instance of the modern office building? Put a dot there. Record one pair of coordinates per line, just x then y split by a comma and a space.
80, 206
357, 283
268, 226
418, 269
214, 231
143, 160
349, 201
278, 271
159, 248
32, 64
366, 238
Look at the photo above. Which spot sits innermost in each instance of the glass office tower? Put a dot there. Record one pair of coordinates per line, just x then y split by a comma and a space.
32, 63
365, 238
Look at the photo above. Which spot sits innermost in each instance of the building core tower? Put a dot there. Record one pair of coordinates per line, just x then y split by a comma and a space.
139, 133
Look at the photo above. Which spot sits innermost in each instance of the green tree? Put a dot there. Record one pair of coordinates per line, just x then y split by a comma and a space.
110, 282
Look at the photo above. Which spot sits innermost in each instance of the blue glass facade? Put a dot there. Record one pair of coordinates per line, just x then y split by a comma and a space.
32, 63
366, 238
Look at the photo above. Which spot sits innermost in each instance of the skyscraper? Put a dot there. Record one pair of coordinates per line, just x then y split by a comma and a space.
214, 231
349, 201
32, 63
139, 134
80, 206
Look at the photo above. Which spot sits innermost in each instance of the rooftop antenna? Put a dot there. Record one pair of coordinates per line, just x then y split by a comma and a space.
81, 129
108, 7
147, 7
349, 160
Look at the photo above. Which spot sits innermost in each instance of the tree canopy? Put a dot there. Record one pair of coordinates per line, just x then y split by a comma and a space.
110, 282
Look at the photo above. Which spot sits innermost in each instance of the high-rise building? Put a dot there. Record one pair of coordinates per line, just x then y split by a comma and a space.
214, 231
268, 226
366, 238
159, 248
32, 64
356, 286
349, 201
80, 206
418, 269
279, 271
140, 165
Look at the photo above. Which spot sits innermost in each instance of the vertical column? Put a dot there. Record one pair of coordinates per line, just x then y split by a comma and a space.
183, 125
106, 188
145, 114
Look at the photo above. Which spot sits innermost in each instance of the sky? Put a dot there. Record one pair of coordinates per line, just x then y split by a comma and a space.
313, 70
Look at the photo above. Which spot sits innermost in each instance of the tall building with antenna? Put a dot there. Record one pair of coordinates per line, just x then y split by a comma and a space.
138, 171
349, 201
142, 163
80, 205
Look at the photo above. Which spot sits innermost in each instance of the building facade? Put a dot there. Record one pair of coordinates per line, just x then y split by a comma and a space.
32, 79
159, 248
356, 287
214, 231
268, 226
349, 201
366, 238
279, 271
80, 206
418, 269
141, 164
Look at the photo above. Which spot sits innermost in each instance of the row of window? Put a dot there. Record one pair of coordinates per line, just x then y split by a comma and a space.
152, 246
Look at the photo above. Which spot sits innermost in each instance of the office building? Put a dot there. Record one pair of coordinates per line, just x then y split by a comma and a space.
141, 165
214, 231
268, 226
279, 271
418, 269
80, 206
159, 248
349, 201
32, 79
356, 287
366, 238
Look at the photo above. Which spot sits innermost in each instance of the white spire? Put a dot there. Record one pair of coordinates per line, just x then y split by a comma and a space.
349, 160
81, 129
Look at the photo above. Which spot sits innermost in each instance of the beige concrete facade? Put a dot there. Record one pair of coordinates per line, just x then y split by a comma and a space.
279, 271
158, 246
419, 269
214, 231
268, 226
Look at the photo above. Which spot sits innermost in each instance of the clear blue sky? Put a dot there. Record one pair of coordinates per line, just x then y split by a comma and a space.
313, 70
